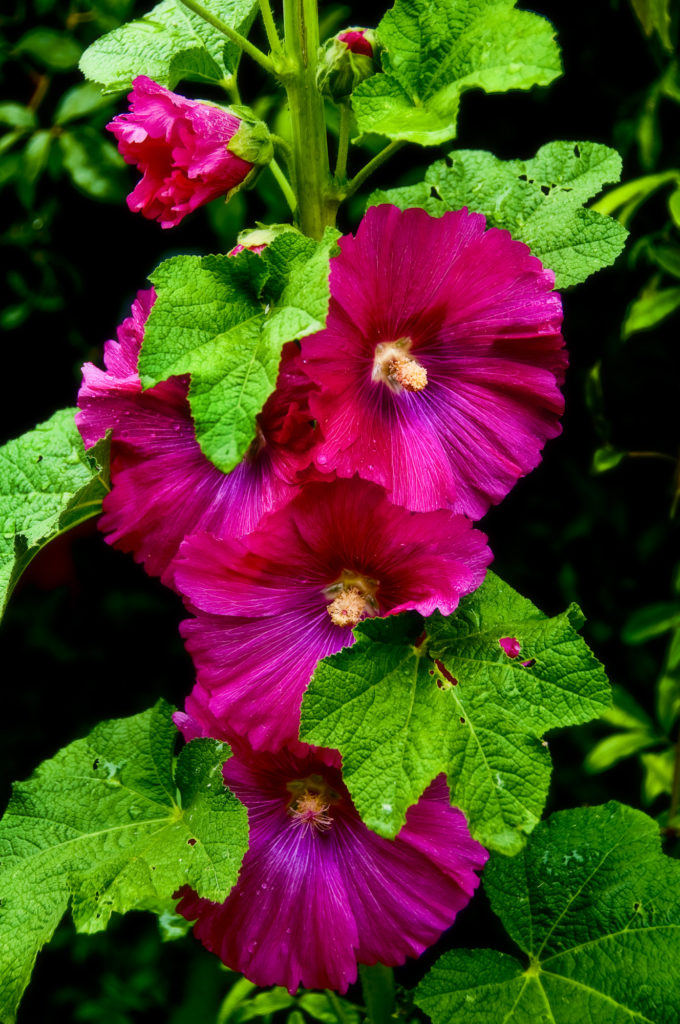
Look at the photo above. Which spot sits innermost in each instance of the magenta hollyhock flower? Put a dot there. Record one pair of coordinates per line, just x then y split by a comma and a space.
164, 488
440, 364
319, 892
270, 605
184, 149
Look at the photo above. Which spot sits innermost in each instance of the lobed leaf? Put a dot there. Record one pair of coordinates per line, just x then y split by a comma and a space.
401, 711
224, 320
106, 826
539, 201
48, 484
168, 44
595, 906
433, 52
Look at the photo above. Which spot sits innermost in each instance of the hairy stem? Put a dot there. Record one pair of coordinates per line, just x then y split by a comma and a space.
270, 27
231, 33
343, 143
284, 185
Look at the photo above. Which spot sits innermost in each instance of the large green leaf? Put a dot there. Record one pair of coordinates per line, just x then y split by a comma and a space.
224, 320
539, 201
401, 711
435, 51
168, 44
595, 906
107, 826
48, 484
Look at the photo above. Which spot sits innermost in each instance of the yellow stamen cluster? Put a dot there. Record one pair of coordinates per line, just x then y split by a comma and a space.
393, 365
310, 802
348, 608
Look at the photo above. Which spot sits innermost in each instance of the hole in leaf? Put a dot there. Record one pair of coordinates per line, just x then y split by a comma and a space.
462, 721
448, 161
523, 177
191, 842
95, 764
577, 151
510, 645
545, 189
447, 675
529, 664
636, 906
39, 459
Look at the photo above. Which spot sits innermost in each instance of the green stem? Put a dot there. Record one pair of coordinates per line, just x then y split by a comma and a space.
337, 1006
270, 27
283, 148
231, 88
343, 143
372, 165
284, 185
316, 201
236, 37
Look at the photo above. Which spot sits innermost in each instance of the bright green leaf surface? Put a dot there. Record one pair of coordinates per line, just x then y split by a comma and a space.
168, 44
48, 484
224, 320
499, 768
105, 827
435, 51
539, 201
398, 719
595, 906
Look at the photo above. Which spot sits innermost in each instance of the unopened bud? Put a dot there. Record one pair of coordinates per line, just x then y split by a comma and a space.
345, 61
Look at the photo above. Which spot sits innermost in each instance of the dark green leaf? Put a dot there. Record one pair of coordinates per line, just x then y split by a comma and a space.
94, 164
649, 309
80, 101
56, 50
595, 907
17, 116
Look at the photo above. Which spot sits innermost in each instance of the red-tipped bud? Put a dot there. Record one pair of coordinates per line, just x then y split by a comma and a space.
345, 61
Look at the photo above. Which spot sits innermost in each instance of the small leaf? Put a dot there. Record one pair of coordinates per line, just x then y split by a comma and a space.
658, 774
655, 619
48, 484
434, 51
649, 309
612, 749
668, 686
595, 906
539, 201
674, 207
17, 116
80, 101
94, 164
56, 50
168, 44
655, 16
105, 827
607, 458
34, 157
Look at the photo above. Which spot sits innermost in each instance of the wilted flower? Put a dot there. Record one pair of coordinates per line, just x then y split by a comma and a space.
163, 485
189, 152
319, 892
440, 364
270, 605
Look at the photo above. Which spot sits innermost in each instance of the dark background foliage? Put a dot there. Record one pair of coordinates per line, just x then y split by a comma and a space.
89, 636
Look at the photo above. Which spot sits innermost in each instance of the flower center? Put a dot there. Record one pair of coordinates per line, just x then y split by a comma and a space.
353, 598
392, 365
311, 799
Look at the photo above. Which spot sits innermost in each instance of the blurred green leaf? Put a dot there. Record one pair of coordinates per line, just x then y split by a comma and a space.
56, 50
94, 164
674, 207
16, 115
649, 309
625, 712
658, 774
615, 748
320, 1007
80, 101
666, 256
262, 1005
35, 155
651, 621
668, 686
623, 201
606, 458
655, 16
377, 987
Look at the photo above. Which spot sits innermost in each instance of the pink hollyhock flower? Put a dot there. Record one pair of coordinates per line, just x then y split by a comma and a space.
358, 40
164, 488
440, 364
318, 892
270, 605
188, 152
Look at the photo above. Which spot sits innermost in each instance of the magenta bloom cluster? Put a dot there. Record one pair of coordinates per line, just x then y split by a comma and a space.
431, 390
181, 148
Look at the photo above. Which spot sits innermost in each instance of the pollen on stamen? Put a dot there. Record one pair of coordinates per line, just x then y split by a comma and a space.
348, 608
310, 810
407, 373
